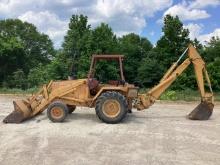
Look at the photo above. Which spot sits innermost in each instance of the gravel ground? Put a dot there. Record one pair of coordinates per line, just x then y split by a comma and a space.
160, 135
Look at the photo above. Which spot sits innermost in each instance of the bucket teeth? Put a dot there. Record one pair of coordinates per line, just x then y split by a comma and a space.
202, 112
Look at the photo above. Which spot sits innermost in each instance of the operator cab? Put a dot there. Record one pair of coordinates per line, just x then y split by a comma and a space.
94, 81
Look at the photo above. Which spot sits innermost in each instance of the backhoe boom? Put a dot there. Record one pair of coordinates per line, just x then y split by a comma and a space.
147, 99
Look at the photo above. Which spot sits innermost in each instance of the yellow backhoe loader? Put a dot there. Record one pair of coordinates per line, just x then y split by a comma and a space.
113, 100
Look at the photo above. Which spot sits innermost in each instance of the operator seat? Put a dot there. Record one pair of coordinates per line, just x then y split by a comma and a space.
116, 82
93, 85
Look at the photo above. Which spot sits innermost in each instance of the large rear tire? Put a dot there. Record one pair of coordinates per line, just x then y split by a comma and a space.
71, 108
111, 107
57, 111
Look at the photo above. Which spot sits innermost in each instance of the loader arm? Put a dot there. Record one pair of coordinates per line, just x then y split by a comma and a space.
146, 100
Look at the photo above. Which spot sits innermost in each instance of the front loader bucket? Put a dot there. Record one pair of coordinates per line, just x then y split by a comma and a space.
202, 112
22, 111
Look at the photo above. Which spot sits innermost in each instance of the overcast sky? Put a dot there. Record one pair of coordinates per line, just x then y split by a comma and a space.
143, 17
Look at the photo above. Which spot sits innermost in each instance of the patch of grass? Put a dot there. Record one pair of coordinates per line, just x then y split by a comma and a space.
185, 95
18, 91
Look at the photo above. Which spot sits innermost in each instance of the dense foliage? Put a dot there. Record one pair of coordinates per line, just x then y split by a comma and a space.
28, 59
22, 48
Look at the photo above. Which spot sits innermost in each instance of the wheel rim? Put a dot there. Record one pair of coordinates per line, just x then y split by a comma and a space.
57, 112
111, 108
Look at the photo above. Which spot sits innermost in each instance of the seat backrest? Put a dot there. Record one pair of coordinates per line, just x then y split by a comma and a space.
92, 83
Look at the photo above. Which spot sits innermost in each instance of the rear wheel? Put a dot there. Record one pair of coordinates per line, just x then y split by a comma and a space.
57, 111
71, 108
111, 107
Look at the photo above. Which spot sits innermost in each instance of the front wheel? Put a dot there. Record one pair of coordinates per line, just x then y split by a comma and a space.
57, 111
111, 107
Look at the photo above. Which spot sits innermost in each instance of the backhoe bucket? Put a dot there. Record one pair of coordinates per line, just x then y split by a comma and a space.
202, 112
22, 111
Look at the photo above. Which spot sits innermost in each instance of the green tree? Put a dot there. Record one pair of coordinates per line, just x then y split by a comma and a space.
135, 48
59, 68
173, 42
38, 76
104, 41
76, 42
22, 47
149, 72
170, 46
197, 44
81, 42
211, 53
37, 46
76, 36
12, 56
212, 49
214, 72
16, 80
